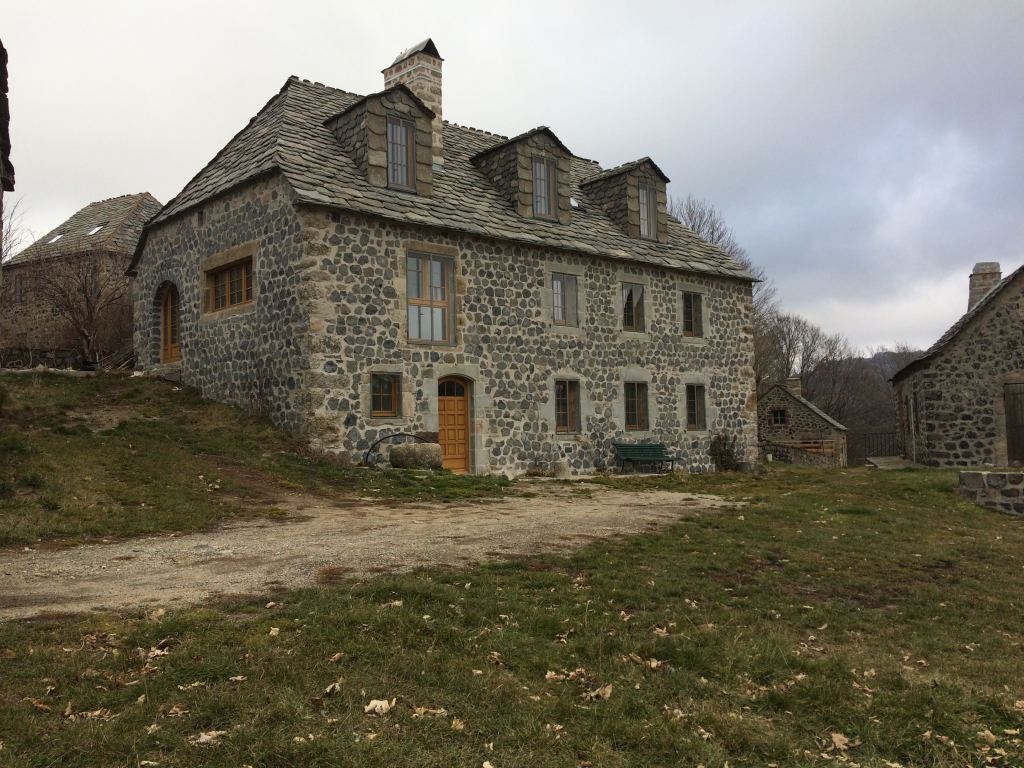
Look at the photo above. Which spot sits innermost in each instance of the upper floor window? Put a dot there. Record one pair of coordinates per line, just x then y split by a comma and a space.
636, 406
231, 285
385, 389
695, 418
779, 417
563, 290
693, 321
429, 281
545, 187
567, 406
632, 307
401, 153
648, 211
20, 289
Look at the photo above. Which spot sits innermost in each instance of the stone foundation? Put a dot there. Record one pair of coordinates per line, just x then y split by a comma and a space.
1001, 491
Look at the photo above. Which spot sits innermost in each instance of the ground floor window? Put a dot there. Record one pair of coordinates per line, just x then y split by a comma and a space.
695, 418
385, 390
231, 286
636, 405
567, 406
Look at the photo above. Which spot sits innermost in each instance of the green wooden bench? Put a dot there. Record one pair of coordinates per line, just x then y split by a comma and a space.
645, 452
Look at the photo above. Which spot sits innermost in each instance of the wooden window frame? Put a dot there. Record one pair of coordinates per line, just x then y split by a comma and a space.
20, 289
647, 197
776, 423
170, 326
568, 306
696, 407
567, 406
379, 399
636, 393
429, 298
551, 166
632, 310
221, 283
396, 153
693, 314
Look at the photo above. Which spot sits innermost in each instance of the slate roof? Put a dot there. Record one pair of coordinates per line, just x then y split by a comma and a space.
123, 218
954, 330
811, 406
289, 135
628, 167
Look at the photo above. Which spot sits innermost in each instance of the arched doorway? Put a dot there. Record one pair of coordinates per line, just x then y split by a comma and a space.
453, 423
169, 326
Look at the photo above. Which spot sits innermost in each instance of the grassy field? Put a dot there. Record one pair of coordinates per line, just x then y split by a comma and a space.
839, 618
120, 456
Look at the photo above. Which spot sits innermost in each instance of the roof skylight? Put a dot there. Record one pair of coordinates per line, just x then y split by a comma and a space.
97, 228
55, 238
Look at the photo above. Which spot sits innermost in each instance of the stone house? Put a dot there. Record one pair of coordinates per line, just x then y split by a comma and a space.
102, 235
791, 428
962, 403
355, 267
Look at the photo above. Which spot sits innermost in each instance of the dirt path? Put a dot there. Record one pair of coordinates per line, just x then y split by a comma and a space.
324, 541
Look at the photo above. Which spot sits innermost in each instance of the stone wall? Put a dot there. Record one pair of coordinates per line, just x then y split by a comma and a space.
254, 356
803, 426
619, 195
508, 348
510, 167
1002, 491
951, 409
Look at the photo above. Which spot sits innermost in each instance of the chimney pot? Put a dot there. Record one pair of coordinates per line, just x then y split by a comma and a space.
793, 385
419, 69
985, 277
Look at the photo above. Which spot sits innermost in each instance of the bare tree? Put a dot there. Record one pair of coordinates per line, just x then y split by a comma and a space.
16, 235
90, 291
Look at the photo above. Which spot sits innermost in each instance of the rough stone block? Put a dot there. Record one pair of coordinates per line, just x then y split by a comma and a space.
995, 480
416, 456
973, 480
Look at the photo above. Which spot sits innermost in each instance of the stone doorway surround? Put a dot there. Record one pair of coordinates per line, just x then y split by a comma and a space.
454, 425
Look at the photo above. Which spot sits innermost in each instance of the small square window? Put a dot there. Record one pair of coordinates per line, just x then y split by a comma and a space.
545, 187
648, 211
632, 307
563, 290
636, 406
385, 393
231, 286
567, 407
778, 417
695, 418
401, 153
693, 314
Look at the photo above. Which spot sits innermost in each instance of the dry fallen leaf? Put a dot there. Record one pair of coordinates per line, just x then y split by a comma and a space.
275, 631
988, 736
237, 679
457, 725
379, 706
487, 764
271, 604
840, 742
39, 705
334, 687
704, 734
554, 677
604, 692
336, 658
178, 710
423, 712
318, 703
478, 671
141, 699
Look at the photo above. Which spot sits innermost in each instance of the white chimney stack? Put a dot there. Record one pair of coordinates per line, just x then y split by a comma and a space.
419, 69
985, 277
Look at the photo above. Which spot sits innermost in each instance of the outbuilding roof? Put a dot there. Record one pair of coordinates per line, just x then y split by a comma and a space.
958, 327
289, 135
112, 225
809, 405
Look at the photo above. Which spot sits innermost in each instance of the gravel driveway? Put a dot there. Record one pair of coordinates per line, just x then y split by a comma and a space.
319, 541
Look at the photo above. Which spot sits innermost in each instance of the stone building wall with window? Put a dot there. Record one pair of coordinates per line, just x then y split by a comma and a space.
506, 277
962, 403
786, 420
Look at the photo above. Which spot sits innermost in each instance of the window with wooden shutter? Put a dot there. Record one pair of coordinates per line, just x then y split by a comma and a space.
567, 406
632, 307
695, 407
636, 406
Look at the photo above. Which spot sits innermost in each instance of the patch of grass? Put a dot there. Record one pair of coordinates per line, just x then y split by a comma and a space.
777, 629
173, 462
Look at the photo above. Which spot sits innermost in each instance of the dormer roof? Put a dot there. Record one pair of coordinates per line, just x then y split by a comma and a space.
356, 104
522, 137
626, 168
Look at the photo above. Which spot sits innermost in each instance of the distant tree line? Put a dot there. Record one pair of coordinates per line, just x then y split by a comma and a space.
851, 385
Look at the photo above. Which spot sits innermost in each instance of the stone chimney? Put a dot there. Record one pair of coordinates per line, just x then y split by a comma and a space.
985, 277
793, 385
419, 69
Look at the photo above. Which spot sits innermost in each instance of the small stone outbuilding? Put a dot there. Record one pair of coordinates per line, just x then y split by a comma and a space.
962, 403
792, 429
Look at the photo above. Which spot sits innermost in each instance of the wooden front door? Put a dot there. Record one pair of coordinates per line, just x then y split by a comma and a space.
453, 423
1013, 401
169, 327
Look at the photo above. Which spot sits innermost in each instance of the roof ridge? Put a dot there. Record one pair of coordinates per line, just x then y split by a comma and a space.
304, 81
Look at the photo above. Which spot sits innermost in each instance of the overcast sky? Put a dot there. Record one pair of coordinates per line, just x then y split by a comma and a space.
867, 154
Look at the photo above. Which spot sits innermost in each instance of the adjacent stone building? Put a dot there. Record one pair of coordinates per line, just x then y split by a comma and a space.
794, 430
355, 267
86, 255
962, 403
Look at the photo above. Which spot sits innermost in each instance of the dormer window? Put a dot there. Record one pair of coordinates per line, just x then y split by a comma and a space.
545, 187
401, 157
648, 211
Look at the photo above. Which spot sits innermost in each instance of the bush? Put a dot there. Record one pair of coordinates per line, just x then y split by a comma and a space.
723, 453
